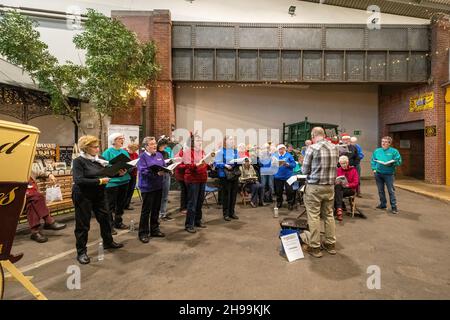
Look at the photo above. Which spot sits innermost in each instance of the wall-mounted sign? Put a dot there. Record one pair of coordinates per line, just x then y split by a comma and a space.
430, 131
405, 144
423, 102
357, 132
131, 133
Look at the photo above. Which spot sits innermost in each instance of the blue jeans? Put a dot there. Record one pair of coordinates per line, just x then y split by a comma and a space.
165, 194
267, 180
388, 180
195, 198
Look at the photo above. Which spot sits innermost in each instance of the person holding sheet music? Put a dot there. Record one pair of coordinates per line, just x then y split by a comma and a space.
162, 148
347, 181
286, 165
117, 187
250, 182
384, 161
195, 175
228, 172
132, 150
151, 167
88, 195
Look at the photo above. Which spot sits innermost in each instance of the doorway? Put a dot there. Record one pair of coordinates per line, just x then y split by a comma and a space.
411, 146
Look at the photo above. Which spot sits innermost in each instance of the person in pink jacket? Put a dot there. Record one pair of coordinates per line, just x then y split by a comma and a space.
344, 187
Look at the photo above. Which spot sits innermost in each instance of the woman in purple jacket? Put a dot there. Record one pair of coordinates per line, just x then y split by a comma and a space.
150, 184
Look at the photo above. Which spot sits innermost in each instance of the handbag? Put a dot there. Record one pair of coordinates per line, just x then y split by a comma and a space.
53, 194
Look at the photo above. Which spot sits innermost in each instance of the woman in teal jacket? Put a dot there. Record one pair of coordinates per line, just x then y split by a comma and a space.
384, 161
117, 187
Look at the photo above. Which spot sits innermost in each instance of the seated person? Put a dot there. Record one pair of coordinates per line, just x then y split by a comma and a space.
250, 182
36, 208
344, 187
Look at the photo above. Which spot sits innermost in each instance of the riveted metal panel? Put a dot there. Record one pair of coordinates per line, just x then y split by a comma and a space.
258, 37
182, 64
418, 39
376, 66
181, 36
301, 38
312, 65
204, 65
226, 65
269, 65
388, 39
291, 65
215, 36
248, 65
398, 66
334, 65
344, 38
355, 66
418, 67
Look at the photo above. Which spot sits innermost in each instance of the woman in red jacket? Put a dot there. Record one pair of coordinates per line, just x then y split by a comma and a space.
195, 176
344, 188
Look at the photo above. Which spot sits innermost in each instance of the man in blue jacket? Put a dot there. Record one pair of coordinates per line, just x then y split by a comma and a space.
286, 165
384, 161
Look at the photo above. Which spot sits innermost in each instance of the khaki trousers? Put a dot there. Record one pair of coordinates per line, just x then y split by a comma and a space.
319, 202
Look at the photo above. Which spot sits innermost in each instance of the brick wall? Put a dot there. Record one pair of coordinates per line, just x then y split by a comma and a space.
157, 26
394, 106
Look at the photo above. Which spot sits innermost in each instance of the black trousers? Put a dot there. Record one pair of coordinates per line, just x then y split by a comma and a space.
116, 197
151, 204
230, 190
84, 206
280, 186
183, 195
340, 193
130, 191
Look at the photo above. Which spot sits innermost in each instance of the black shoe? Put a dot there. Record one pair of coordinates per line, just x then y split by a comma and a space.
381, 207
234, 217
113, 231
39, 237
121, 226
54, 226
129, 208
200, 225
226, 218
394, 210
83, 258
113, 245
261, 204
144, 239
158, 234
190, 229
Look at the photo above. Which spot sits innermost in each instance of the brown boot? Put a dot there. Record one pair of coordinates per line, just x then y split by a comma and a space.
330, 248
315, 252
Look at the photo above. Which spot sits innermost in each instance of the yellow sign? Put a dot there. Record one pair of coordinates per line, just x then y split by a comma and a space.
17, 148
423, 102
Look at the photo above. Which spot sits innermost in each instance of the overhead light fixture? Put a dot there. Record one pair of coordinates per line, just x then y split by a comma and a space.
292, 10
190, 1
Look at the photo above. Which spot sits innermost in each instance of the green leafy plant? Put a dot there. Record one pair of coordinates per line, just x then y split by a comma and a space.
116, 65
20, 44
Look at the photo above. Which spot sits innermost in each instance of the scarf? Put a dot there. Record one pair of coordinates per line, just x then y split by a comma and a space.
94, 159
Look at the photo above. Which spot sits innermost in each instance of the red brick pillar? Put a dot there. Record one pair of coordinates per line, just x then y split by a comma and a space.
435, 146
157, 26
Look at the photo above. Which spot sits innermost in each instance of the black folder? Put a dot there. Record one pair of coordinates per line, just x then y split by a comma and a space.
117, 163
156, 168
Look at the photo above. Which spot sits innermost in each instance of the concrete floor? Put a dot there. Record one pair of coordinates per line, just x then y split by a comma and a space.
240, 259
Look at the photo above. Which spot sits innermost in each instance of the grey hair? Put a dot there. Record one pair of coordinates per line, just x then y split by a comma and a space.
146, 141
343, 158
317, 132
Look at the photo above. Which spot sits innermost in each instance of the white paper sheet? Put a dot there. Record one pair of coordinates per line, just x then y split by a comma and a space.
292, 247
133, 162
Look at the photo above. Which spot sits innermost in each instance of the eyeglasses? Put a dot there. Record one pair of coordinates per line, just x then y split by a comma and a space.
95, 147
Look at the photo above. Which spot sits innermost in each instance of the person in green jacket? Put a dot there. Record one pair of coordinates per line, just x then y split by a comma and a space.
384, 161
117, 187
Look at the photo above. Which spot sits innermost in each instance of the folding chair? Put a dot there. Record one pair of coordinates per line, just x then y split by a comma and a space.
244, 194
353, 208
210, 190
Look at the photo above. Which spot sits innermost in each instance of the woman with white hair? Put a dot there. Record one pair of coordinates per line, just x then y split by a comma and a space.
346, 183
117, 187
